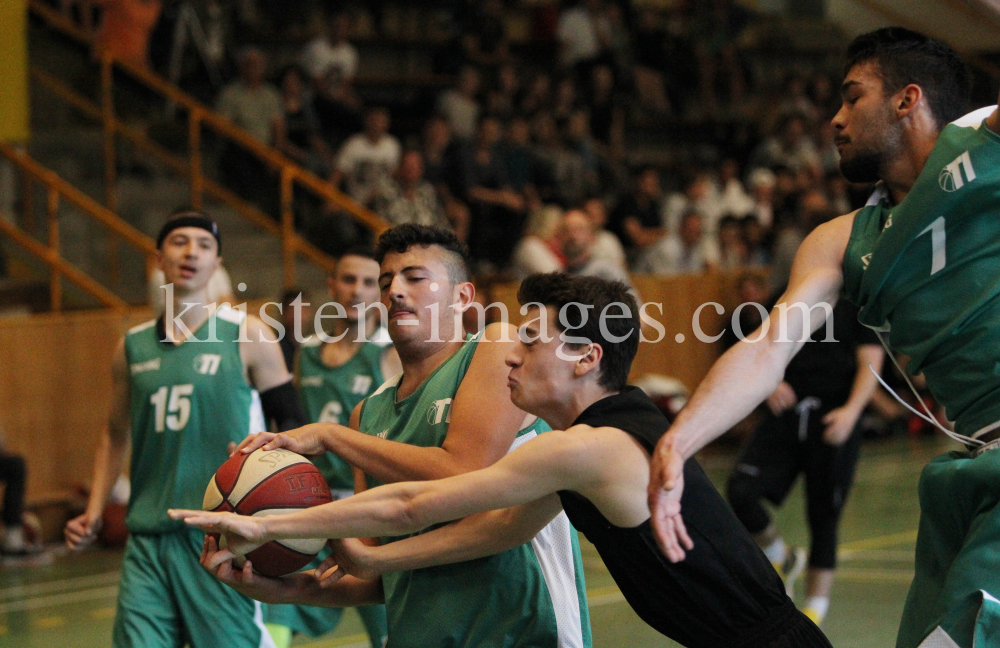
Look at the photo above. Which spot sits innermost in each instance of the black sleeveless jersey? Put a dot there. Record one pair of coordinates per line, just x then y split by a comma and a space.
725, 593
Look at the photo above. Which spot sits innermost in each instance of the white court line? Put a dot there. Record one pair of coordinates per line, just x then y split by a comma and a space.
39, 602
66, 584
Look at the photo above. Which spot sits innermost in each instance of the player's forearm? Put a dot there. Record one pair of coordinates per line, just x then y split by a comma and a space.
391, 461
476, 536
108, 465
384, 511
865, 383
303, 589
739, 381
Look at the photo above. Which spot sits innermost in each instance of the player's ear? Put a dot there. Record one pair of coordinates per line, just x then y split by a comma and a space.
590, 361
908, 99
465, 294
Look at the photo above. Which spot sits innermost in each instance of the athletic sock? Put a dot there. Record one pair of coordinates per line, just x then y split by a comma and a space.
816, 608
776, 552
282, 635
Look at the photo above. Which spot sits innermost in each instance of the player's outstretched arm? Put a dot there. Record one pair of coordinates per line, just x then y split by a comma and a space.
109, 462
553, 461
749, 372
476, 536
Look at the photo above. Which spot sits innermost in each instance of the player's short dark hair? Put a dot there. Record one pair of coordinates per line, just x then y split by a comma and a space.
903, 56
401, 238
557, 289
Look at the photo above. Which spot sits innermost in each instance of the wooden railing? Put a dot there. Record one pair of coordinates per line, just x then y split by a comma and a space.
199, 117
58, 190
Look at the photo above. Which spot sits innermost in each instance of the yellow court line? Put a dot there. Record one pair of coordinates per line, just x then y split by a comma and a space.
51, 622
874, 575
880, 541
349, 641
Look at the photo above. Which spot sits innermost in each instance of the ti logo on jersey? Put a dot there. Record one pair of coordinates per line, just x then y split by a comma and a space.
439, 412
207, 363
950, 178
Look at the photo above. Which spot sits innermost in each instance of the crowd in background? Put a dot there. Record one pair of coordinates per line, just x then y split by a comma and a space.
514, 151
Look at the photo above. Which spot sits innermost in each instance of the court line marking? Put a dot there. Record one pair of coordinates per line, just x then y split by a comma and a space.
879, 542
39, 602
66, 584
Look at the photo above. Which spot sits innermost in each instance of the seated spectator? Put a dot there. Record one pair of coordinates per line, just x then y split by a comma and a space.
752, 289
578, 237
332, 64
125, 28
607, 115
501, 99
733, 198
441, 160
565, 166
16, 539
459, 105
790, 147
368, 159
301, 139
330, 53
762, 185
636, 220
538, 96
497, 211
715, 27
254, 105
733, 253
565, 101
753, 234
688, 251
580, 141
700, 194
583, 35
484, 38
650, 61
525, 171
540, 250
812, 208
411, 199
607, 248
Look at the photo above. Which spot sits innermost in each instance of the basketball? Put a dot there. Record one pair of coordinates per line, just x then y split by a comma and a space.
268, 483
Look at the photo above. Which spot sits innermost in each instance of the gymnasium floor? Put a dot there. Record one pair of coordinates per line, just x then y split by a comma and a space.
69, 603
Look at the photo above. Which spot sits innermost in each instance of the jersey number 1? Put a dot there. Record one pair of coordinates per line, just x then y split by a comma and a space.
937, 243
172, 413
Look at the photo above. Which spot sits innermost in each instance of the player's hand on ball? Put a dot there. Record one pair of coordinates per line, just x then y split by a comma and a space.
244, 533
220, 564
306, 440
666, 485
81, 532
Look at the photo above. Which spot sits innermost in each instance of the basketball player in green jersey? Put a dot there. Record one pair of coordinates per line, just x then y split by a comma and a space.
333, 373
920, 261
184, 388
448, 413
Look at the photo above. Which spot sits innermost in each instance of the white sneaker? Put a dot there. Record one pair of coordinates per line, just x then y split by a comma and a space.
791, 568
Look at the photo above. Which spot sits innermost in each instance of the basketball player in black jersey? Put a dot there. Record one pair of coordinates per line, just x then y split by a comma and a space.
724, 594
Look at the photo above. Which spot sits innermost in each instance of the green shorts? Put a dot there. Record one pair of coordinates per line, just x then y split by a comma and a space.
317, 621
957, 579
166, 599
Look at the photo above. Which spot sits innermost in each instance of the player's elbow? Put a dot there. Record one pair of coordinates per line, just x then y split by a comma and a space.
405, 515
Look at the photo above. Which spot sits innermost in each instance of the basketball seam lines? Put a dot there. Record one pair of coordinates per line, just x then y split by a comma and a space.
261, 483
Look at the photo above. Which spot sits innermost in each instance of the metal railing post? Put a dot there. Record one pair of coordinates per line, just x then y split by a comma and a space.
108, 127
287, 227
194, 151
55, 277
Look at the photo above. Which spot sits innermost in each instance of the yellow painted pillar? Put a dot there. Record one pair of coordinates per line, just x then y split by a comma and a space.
14, 71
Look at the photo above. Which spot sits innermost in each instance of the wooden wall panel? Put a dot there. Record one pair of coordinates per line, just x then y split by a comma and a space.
56, 379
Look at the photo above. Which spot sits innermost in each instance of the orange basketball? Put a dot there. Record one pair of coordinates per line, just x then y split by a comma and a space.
268, 483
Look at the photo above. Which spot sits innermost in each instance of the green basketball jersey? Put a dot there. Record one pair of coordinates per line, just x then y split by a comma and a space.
329, 394
928, 271
532, 595
188, 402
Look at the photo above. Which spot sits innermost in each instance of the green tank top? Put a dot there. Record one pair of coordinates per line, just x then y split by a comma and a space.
533, 595
329, 394
188, 401
927, 271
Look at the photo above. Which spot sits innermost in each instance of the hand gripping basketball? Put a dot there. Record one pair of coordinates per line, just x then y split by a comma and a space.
248, 487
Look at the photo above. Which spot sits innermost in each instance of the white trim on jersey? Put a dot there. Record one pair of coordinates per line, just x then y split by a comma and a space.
230, 314
975, 118
266, 640
257, 421
141, 327
553, 548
